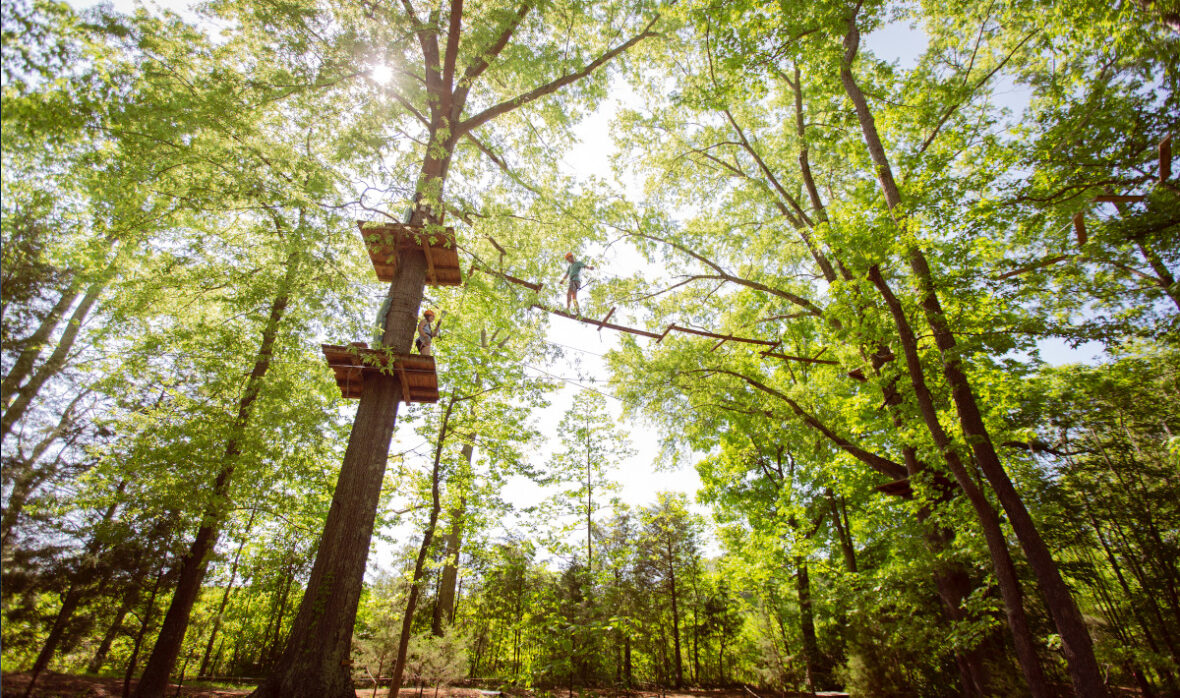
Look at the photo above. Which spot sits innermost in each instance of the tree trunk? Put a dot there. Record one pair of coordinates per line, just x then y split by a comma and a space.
104, 646
989, 521
1076, 644
444, 607
233, 574
811, 657
148, 612
74, 593
192, 567
403, 641
675, 614
316, 659
35, 343
25, 394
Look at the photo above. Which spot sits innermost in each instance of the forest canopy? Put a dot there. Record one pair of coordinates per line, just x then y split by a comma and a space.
840, 270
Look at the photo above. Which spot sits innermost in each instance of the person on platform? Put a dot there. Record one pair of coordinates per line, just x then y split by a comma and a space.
574, 272
427, 331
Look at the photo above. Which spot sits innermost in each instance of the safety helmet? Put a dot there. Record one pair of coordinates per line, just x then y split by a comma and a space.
569, 256
429, 312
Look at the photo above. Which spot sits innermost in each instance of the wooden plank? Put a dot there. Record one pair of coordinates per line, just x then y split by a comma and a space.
714, 335
1119, 198
1166, 159
386, 241
1079, 228
405, 384
431, 274
607, 325
612, 312
507, 277
417, 374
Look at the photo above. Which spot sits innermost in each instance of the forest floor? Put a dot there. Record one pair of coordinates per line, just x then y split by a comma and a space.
52, 685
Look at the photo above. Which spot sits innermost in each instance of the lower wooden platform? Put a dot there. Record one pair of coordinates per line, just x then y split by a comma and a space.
416, 373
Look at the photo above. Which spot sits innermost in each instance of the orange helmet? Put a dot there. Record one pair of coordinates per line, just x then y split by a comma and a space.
569, 256
429, 312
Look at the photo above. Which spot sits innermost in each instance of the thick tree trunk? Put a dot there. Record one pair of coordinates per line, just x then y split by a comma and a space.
315, 663
192, 567
1084, 670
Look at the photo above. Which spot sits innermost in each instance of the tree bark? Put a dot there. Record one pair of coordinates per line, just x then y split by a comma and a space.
149, 611
675, 611
444, 607
989, 521
104, 646
811, 656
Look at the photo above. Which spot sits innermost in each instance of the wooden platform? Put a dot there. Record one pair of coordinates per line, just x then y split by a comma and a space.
386, 241
419, 378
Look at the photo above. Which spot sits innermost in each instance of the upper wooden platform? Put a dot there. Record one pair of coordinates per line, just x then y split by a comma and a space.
386, 241
417, 374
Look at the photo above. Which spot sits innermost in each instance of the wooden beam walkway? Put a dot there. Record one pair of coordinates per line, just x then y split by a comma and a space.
769, 345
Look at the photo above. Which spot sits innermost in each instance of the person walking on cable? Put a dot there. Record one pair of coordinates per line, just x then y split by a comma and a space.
574, 272
426, 333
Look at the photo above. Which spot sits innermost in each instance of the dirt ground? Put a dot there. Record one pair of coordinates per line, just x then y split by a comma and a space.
51, 685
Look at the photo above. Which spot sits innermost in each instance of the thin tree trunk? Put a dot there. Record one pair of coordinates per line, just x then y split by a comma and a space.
35, 343
1076, 644
104, 646
30, 476
675, 613
403, 642
811, 656
194, 564
989, 521
149, 611
233, 574
25, 394
444, 607
74, 592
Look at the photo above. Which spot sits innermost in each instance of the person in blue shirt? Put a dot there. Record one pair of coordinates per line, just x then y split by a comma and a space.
574, 272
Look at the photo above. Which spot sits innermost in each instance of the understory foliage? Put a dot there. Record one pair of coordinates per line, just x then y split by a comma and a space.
896, 281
